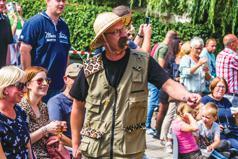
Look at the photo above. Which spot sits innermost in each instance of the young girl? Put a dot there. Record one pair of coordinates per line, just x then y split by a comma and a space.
183, 127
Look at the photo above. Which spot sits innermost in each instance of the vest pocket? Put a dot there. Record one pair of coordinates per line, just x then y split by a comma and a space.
93, 104
135, 114
134, 142
134, 123
92, 135
89, 147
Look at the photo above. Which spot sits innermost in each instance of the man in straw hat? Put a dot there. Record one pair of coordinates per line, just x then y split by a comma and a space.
112, 88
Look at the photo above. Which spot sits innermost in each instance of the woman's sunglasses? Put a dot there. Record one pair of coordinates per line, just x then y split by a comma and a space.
72, 77
40, 81
19, 85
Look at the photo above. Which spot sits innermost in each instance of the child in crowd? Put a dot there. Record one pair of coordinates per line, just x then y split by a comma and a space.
209, 131
183, 127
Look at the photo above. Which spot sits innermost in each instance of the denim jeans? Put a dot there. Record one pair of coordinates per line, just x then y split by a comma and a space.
217, 155
234, 142
152, 103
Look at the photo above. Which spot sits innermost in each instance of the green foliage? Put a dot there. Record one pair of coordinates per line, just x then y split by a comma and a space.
186, 30
101, 2
30, 8
218, 15
80, 19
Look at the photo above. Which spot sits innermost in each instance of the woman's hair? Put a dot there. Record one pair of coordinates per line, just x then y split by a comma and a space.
9, 75
184, 108
172, 50
196, 41
185, 49
32, 71
211, 108
215, 81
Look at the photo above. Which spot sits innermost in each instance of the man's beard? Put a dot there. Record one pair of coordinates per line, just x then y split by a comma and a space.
122, 42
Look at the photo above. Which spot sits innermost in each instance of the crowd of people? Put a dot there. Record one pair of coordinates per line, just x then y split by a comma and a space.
103, 108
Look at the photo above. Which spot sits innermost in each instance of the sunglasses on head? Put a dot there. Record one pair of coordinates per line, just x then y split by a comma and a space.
19, 85
40, 81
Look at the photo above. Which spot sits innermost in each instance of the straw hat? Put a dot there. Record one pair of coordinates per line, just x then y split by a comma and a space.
102, 23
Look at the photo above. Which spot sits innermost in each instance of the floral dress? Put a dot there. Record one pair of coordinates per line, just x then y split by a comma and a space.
14, 135
39, 147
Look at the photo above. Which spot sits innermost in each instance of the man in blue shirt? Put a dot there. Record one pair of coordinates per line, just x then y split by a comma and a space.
60, 106
46, 42
209, 53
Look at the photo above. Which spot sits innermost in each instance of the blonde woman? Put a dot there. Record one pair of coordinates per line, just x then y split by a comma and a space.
37, 85
14, 134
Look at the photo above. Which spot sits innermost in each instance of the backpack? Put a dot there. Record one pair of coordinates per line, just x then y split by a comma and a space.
154, 49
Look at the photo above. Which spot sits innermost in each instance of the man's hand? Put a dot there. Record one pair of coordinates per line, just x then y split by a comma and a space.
147, 29
193, 99
76, 153
210, 148
202, 61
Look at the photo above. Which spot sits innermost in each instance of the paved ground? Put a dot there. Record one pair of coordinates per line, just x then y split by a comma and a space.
154, 149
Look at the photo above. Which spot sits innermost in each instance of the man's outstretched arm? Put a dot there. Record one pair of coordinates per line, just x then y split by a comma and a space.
177, 91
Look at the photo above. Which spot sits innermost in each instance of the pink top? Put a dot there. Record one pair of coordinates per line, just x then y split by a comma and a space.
186, 140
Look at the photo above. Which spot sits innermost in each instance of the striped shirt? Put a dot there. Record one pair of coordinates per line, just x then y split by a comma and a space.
227, 67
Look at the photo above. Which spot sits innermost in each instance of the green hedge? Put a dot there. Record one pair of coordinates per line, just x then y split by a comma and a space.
80, 20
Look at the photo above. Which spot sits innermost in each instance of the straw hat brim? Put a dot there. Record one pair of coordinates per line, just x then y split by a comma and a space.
95, 43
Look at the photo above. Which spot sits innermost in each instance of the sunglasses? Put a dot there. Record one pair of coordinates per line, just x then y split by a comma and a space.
72, 77
117, 32
19, 85
40, 81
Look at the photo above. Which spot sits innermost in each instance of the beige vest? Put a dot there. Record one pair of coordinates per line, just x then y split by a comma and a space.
130, 101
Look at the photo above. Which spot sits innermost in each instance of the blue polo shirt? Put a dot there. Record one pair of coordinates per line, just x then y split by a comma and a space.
59, 108
50, 46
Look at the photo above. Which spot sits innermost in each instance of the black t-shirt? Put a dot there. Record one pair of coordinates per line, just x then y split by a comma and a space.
114, 71
5, 38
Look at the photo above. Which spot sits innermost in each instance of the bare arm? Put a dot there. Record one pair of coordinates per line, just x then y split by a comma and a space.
25, 50
199, 64
192, 126
147, 38
215, 144
53, 127
139, 37
38, 134
2, 154
66, 140
170, 86
181, 93
76, 121
30, 154
161, 62
14, 24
